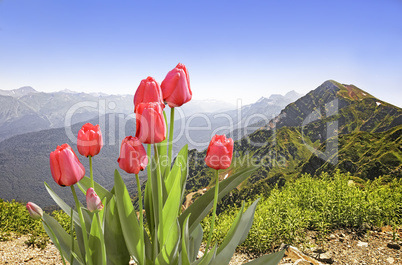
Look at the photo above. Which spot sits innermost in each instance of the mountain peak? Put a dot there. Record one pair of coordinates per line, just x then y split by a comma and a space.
19, 92
26, 89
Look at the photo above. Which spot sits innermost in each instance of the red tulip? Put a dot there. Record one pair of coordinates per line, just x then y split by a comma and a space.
133, 156
89, 140
176, 87
150, 123
148, 91
94, 203
220, 152
65, 167
34, 210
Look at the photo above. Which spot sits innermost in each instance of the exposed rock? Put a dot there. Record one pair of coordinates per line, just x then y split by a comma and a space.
362, 244
394, 245
299, 257
390, 260
326, 257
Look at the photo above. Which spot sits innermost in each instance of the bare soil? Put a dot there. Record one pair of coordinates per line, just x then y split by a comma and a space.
340, 247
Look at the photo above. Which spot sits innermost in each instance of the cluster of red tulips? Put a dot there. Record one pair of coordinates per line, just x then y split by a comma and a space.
151, 128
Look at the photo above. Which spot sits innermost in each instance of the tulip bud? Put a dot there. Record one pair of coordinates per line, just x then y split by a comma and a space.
89, 140
65, 167
133, 156
150, 123
148, 91
94, 203
176, 87
220, 152
34, 210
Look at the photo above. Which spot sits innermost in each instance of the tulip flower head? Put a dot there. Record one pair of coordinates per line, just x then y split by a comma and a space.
150, 123
65, 167
176, 87
220, 152
148, 91
34, 210
94, 203
133, 157
89, 140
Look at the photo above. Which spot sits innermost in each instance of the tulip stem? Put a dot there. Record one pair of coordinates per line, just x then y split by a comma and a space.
154, 195
214, 211
72, 234
160, 197
102, 239
139, 195
88, 260
91, 172
170, 150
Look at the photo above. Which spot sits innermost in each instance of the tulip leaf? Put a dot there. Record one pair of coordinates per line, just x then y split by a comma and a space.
207, 258
244, 225
63, 205
171, 208
149, 207
85, 182
195, 242
61, 236
201, 207
128, 220
80, 239
270, 259
185, 241
232, 230
95, 247
174, 173
116, 249
169, 251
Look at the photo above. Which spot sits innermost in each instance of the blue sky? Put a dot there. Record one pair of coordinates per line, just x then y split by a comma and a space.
233, 49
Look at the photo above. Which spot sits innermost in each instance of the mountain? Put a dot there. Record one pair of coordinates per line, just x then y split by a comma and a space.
197, 129
334, 127
24, 160
27, 110
24, 157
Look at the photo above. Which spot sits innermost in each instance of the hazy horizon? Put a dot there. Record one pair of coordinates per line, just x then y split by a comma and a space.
233, 49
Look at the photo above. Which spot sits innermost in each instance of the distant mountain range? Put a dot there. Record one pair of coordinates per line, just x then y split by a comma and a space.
32, 125
334, 127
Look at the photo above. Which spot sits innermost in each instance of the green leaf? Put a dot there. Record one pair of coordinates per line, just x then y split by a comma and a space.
67, 209
80, 239
195, 242
170, 180
85, 182
116, 249
185, 241
180, 163
64, 206
95, 248
244, 225
270, 259
128, 220
232, 230
201, 207
149, 207
168, 254
61, 236
206, 259
171, 208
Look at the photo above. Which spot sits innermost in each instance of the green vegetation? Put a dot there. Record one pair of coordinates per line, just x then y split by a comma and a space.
320, 204
15, 220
